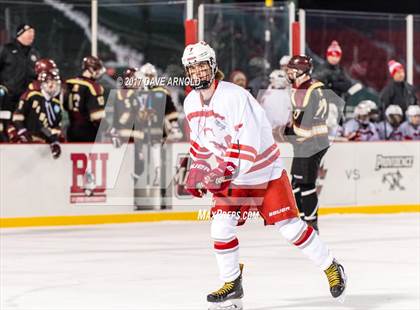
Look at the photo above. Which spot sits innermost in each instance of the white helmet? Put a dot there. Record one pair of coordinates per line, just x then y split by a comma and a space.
197, 53
148, 70
393, 109
412, 110
371, 105
147, 75
361, 110
278, 79
284, 60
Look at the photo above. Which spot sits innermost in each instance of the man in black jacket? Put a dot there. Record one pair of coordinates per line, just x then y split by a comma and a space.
17, 60
331, 73
397, 91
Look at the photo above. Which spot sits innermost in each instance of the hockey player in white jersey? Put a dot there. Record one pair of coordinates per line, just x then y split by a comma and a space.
388, 129
410, 129
276, 103
360, 128
227, 122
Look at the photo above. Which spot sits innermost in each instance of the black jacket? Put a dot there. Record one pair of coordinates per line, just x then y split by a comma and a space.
17, 67
399, 93
333, 77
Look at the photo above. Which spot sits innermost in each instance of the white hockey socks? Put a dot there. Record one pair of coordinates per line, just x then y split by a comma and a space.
226, 246
306, 239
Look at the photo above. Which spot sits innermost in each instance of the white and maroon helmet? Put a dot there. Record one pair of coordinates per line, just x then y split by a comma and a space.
198, 53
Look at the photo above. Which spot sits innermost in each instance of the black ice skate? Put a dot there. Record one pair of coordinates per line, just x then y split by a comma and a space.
228, 296
337, 280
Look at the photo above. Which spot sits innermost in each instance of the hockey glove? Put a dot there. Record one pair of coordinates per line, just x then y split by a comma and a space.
55, 150
194, 184
23, 136
220, 178
115, 138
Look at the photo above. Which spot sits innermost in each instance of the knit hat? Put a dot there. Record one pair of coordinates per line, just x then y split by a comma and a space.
334, 49
394, 66
22, 28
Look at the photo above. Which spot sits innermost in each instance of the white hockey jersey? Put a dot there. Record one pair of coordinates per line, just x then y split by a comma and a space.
367, 132
233, 127
409, 131
277, 106
387, 132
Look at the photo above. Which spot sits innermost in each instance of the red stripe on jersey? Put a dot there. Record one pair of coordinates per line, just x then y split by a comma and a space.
199, 155
265, 163
198, 147
266, 152
226, 245
205, 114
240, 156
305, 236
244, 147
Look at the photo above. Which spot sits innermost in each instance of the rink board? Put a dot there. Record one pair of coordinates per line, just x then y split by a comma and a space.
36, 190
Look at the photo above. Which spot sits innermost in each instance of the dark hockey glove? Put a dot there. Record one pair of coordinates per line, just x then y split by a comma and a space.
195, 179
55, 150
220, 178
23, 136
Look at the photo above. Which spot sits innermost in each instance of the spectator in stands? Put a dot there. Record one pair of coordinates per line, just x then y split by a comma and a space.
388, 129
398, 91
331, 73
239, 78
360, 128
410, 129
17, 60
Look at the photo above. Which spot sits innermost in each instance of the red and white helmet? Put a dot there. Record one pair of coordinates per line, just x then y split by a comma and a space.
198, 53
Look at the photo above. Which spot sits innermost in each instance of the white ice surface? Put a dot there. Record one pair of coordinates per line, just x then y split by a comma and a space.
170, 265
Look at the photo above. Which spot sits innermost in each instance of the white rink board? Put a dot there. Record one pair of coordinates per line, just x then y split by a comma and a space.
32, 183
350, 175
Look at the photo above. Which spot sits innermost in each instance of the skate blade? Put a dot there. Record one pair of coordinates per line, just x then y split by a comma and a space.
342, 297
232, 304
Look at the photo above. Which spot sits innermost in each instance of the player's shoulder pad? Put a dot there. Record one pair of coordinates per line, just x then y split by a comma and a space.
94, 88
162, 89
29, 94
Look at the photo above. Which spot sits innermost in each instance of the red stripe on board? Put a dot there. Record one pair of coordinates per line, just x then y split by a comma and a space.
226, 245
265, 163
308, 232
